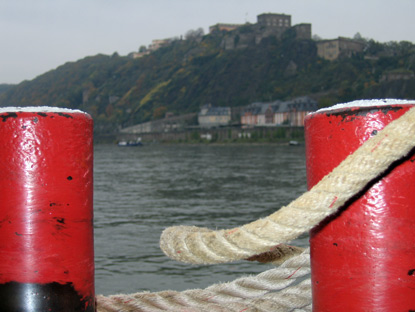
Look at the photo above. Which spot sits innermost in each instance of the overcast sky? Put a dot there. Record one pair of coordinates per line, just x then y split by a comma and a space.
39, 35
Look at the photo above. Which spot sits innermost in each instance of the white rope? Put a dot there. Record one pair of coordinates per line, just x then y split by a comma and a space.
274, 287
277, 289
204, 246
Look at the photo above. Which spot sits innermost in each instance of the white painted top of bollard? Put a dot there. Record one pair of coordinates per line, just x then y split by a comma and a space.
39, 109
366, 103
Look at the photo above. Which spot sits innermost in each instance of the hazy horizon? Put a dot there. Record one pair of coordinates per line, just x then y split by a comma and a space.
40, 36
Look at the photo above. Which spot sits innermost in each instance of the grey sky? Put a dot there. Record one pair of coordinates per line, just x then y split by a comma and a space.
39, 35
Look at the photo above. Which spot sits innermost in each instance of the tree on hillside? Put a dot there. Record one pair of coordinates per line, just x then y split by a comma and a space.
194, 34
358, 36
317, 37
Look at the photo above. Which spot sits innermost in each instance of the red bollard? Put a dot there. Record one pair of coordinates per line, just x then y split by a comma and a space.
363, 258
46, 230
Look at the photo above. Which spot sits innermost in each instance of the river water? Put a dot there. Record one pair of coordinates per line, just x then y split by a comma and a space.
139, 191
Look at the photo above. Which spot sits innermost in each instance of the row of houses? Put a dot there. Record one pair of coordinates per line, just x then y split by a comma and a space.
258, 114
211, 116
273, 113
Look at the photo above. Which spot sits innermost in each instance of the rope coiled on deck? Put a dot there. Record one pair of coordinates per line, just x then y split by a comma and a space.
269, 235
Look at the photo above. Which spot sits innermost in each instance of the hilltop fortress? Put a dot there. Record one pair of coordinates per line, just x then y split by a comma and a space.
268, 24
240, 36
276, 25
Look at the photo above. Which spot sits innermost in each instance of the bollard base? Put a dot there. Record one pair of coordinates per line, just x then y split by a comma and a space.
28, 297
46, 212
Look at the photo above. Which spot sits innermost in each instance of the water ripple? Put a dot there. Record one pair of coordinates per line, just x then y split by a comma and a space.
140, 191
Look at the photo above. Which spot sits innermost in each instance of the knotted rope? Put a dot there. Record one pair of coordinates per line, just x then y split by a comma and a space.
265, 238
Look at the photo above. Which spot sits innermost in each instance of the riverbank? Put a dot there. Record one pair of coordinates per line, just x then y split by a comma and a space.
223, 135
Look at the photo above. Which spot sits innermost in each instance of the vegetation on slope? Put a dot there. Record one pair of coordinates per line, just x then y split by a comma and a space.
180, 78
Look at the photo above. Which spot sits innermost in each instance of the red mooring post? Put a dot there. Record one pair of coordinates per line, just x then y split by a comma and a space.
46, 231
363, 258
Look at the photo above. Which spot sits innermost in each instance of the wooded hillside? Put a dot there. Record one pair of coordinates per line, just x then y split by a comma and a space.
120, 91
